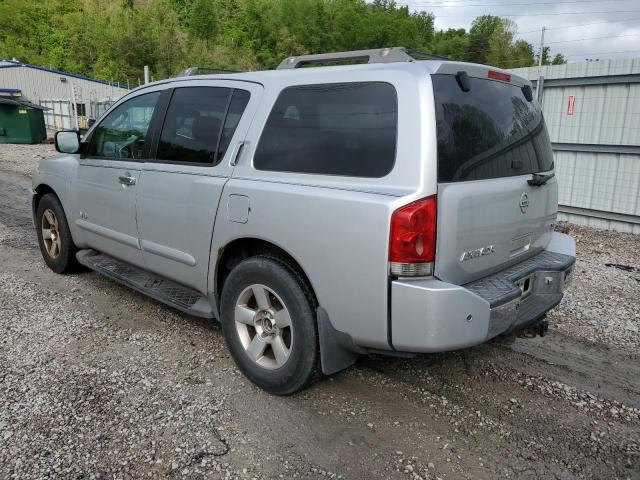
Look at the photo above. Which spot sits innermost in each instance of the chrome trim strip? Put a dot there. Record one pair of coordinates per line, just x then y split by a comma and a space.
108, 233
169, 253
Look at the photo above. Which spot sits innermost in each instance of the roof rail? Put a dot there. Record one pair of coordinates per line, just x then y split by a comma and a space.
377, 55
418, 55
191, 71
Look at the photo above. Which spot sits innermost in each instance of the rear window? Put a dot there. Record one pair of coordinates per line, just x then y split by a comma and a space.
491, 131
333, 129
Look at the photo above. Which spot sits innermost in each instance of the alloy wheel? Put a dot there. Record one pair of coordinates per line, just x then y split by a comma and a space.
51, 233
263, 324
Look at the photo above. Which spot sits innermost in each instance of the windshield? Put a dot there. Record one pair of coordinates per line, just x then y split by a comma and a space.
490, 131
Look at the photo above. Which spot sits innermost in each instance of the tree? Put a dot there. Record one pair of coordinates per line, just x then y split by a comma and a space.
482, 29
522, 54
559, 59
501, 43
454, 43
424, 26
202, 20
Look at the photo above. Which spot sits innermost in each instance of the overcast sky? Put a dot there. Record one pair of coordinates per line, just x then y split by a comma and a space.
618, 20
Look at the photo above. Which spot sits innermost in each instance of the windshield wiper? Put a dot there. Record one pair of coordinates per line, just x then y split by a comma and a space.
539, 180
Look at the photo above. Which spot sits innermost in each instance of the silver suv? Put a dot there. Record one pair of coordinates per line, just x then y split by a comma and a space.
400, 206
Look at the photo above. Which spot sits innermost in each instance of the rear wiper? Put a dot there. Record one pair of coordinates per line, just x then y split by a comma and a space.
539, 180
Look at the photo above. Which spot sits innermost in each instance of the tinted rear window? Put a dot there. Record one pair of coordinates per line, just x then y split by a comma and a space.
491, 131
191, 129
333, 129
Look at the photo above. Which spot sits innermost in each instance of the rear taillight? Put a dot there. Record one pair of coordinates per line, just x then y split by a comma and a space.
412, 245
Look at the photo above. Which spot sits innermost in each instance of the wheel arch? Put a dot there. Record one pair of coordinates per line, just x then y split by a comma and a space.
240, 248
40, 191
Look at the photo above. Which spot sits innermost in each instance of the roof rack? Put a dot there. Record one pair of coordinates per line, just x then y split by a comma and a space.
191, 71
377, 55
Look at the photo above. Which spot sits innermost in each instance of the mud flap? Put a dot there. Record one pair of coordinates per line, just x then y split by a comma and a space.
337, 350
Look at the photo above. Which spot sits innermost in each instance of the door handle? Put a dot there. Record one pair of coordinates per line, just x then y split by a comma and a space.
237, 151
126, 180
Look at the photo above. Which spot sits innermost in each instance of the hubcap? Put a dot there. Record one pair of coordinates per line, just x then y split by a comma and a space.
264, 327
50, 233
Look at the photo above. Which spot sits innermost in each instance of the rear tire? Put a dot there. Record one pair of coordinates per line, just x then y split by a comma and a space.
54, 236
269, 323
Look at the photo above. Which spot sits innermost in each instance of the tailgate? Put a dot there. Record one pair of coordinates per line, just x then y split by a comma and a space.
491, 140
483, 227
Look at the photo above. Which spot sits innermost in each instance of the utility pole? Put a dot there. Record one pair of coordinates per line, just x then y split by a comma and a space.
541, 47
540, 83
146, 74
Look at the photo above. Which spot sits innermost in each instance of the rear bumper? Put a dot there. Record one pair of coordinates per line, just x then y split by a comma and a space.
431, 316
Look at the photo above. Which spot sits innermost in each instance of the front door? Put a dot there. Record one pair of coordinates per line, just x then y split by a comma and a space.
108, 177
180, 188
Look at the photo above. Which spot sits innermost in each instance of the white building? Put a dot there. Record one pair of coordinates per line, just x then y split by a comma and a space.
71, 99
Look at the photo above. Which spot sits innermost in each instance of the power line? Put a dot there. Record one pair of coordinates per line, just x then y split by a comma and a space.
573, 55
594, 38
459, 3
564, 27
581, 25
591, 38
484, 5
474, 51
599, 53
542, 14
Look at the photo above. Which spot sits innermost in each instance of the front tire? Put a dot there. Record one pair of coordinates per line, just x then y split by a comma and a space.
269, 324
54, 236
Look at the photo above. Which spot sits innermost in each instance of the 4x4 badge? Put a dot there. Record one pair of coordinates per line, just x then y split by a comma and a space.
478, 252
524, 202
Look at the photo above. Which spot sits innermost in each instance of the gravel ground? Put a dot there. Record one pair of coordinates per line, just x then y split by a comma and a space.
23, 158
97, 381
603, 304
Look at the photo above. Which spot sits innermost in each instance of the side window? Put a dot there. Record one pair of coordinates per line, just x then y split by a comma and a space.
333, 129
238, 103
199, 124
122, 132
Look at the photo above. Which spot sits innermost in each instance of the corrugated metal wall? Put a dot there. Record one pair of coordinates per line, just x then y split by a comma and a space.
37, 85
596, 140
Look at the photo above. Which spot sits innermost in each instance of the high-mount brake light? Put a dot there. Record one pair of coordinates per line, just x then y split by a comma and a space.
412, 243
505, 77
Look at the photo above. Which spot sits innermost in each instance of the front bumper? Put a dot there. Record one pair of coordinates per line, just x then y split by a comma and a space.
431, 316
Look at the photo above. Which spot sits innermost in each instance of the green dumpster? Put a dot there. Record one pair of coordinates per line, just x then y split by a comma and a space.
21, 122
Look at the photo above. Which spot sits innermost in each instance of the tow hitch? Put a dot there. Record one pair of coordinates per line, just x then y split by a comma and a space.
539, 328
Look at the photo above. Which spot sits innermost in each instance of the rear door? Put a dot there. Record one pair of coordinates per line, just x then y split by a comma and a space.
180, 186
491, 140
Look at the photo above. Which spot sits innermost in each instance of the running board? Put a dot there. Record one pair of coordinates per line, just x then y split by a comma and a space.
157, 287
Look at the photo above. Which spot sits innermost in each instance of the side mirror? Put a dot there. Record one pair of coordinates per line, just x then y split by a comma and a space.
68, 141
90, 122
